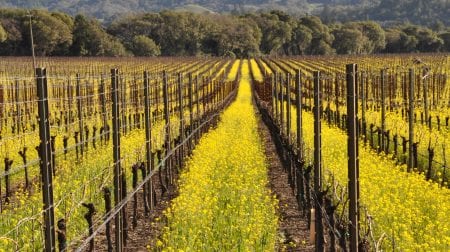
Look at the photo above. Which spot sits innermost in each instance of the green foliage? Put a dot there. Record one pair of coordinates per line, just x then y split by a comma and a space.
3, 34
50, 33
348, 40
427, 40
321, 40
86, 37
113, 47
12, 44
301, 39
412, 38
374, 34
176, 33
90, 39
239, 37
276, 31
145, 46
359, 38
182, 32
446, 39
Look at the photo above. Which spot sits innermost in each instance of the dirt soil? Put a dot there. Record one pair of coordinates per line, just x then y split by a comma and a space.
149, 229
293, 227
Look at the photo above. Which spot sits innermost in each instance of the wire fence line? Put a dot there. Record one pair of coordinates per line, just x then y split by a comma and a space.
188, 102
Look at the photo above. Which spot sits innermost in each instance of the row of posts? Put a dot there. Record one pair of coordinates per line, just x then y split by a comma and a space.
281, 94
214, 93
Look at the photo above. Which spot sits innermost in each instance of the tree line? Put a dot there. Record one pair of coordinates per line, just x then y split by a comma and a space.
171, 33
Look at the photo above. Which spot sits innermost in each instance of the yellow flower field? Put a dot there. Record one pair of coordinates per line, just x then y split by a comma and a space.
412, 213
223, 202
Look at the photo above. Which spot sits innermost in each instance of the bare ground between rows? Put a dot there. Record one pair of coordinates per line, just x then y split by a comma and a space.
293, 227
149, 228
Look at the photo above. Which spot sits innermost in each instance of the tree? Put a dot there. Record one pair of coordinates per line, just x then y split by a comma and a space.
182, 33
276, 31
322, 38
397, 41
13, 44
51, 34
233, 36
113, 47
90, 39
87, 39
3, 34
144, 46
348, 40
376, 39
301, 39
420, 39
429, 41
128, 27
446, 39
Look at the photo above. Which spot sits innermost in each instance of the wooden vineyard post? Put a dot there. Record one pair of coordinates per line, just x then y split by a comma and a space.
288, 125
383, 108
69, 105
280, 81
222, 86
336, 101
89, 219
425, 97
135, 172
319, 239
353, 155
197, 102
272, 88
404, 95
23, 154
8, 164
299, 170
107, 198
191, 111
363, 106
167, 127
411, 120
116, 155
181, 111
18, 112
214, 95
2, 105
45, 160
206, 89
61, 235
275, 85
203, 86
288, 108
148, 145
156, 94
80, 114
122, 95
103, 102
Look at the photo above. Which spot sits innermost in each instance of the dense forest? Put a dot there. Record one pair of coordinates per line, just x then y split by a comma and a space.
187, 34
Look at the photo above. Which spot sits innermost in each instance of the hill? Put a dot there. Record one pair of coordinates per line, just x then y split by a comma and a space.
110, 8
425, 12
